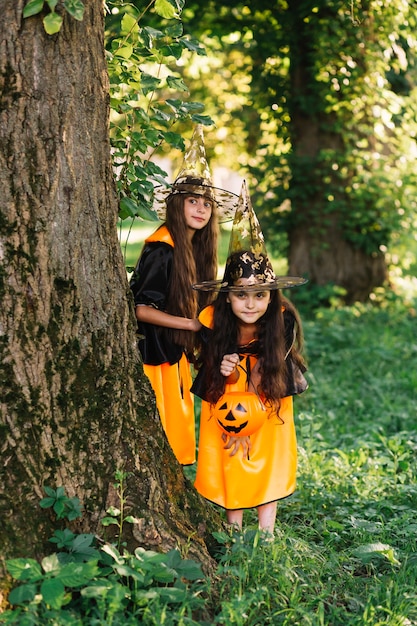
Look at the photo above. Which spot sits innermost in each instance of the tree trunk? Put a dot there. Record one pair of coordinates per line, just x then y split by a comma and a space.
75, 405
319, 247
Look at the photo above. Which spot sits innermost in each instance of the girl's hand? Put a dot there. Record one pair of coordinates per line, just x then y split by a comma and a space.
228, 364
195, 325
235, 443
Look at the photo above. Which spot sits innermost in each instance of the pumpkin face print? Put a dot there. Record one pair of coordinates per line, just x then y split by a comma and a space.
239, 413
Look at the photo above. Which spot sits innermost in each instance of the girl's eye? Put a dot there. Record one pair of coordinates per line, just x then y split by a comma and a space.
261, 294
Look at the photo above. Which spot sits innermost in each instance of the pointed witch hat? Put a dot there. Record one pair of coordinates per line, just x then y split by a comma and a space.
194, 177
247, 257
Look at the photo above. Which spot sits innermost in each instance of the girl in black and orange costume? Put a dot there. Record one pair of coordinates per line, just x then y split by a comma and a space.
181, 251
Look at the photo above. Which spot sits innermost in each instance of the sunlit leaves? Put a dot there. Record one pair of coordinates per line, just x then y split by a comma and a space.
75, 8
33, 7
53, 21
165, 9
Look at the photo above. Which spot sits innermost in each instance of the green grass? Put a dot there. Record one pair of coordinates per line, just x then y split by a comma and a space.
345, 545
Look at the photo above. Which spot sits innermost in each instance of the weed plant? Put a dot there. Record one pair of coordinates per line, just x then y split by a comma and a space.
344, 550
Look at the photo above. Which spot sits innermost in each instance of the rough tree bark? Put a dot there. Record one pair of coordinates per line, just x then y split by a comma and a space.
319, 248
74, 402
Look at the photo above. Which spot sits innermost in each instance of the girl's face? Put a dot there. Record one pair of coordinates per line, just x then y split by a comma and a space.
197, 211
248, 306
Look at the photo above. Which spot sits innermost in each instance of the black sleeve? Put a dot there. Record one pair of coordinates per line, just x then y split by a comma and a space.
149, 285
150, 280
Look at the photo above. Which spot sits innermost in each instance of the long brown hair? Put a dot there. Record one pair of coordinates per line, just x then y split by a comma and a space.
193, 262
272, 347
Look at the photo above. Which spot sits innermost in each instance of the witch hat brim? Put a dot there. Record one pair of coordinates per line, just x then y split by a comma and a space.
280, 282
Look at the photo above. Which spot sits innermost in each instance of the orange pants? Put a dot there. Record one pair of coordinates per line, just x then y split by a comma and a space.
175, 402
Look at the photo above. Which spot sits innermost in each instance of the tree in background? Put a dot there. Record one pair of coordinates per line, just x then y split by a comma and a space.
327, 118
75, 405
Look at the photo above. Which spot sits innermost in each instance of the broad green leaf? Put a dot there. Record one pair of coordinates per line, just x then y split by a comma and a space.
194, 46
113, 510
174, 49
129, 24
75, 8
33, 7
50, 563
176, 83
202, 119
165, 9
125, 52
175, 30
52, 23
370, 550
53, 592
22, 594
107, 521
52, 4
175, 140
173, 594
59, 508
149, 83
78, 574
97, 589
45, 503
24, 569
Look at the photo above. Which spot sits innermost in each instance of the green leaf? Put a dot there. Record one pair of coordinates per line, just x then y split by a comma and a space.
78, 574
24, 569
75, 8
53, 593
202, 119
52, 23
165, 9
176, 83
107, 521
175, 30
50, 563
52, 4
194, 46
368, 551
149, 83
175, 140
129, 24
33, 7
22, 594
112, 510
46, 503
125, 52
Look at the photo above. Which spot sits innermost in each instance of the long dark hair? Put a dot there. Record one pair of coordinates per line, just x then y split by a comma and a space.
192, 262
273, 347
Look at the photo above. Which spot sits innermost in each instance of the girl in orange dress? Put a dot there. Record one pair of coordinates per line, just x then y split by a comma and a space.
252, 342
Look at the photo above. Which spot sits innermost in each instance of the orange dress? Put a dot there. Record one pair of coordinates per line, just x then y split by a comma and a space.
237, 482
165, 363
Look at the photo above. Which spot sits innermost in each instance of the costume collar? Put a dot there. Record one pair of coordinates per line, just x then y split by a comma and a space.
161, 235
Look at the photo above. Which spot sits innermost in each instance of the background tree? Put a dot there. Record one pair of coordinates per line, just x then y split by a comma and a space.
75, 405
328, 125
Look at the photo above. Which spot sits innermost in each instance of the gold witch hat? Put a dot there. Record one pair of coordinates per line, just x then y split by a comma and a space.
247, 257
195, 177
